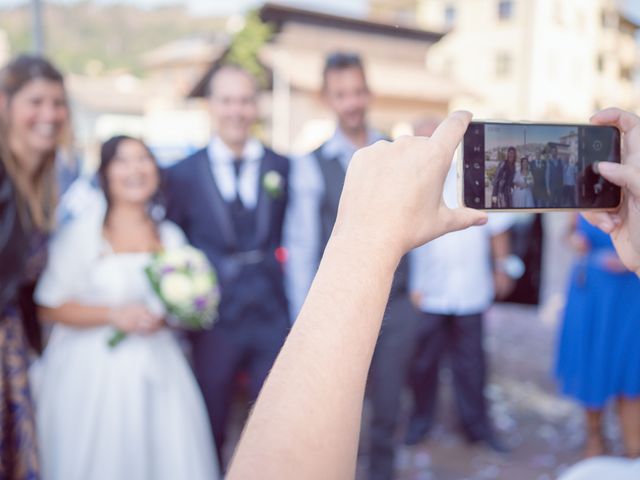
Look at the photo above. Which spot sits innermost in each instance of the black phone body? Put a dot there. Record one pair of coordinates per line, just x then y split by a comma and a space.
537, 166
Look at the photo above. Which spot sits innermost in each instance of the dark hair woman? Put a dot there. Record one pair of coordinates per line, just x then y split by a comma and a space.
138, 397
34, 119
502, 196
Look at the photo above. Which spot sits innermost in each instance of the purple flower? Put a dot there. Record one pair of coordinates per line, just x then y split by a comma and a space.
167, 269
201, 304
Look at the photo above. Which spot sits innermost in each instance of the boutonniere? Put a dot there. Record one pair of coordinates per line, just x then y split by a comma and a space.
273, 183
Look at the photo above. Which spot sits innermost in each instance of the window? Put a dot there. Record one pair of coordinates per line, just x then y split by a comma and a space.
626, 73
449, 16
505, 9
609, 20
503, 65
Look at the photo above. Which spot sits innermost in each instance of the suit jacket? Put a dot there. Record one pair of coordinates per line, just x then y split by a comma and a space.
195, 203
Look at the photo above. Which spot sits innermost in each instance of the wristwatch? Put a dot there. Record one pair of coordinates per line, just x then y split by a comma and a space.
511, 265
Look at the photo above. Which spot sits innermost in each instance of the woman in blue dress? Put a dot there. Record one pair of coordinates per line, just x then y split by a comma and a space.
599, 349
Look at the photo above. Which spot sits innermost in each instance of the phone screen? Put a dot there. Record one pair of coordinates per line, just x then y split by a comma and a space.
511, 166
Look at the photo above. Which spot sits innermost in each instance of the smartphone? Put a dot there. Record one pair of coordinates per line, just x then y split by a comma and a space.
537, 166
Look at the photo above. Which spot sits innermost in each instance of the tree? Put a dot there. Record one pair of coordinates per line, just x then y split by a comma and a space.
246, 44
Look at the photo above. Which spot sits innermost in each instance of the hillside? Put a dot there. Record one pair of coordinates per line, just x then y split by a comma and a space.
84, 36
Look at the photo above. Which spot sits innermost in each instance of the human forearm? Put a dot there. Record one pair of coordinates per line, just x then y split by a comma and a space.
77, 315
318, 370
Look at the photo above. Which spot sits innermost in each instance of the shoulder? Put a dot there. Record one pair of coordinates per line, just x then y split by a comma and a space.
185, 166
171, 235
305, 173
79, 237
499, 222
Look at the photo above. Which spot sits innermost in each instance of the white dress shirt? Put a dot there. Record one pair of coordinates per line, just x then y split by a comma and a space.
453, 273
302, 222
222, 158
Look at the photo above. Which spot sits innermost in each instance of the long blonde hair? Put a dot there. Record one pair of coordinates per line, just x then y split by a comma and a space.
37, 196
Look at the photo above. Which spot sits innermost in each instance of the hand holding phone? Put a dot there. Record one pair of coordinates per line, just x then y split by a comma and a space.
538, 167
623, 224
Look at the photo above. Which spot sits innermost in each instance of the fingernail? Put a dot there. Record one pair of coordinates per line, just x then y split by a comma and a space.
481, 221
605, 167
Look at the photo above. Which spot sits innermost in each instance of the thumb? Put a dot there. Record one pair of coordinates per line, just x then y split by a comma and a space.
624, 176
461, 218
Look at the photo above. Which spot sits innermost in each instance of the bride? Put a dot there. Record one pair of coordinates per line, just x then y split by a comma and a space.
523, 183
133, 410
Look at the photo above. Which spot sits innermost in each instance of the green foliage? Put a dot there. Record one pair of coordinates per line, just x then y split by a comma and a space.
246, 44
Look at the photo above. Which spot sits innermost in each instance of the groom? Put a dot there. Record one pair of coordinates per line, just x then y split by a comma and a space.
230, 199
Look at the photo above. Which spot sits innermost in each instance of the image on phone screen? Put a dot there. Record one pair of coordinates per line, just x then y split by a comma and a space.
544, 166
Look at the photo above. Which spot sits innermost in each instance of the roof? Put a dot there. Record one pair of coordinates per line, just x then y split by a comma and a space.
281, 14
394, 55
628, 19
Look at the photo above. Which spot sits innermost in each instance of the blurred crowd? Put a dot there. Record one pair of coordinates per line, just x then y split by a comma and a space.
160, 404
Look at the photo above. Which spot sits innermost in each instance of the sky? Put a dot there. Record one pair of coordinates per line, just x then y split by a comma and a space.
502, 135
226, 7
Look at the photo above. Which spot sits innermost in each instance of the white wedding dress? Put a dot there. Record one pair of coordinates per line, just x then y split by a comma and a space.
129, 412
522, 194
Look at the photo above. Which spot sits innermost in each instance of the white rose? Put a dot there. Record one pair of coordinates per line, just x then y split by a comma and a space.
173, 258
273, 183
202, 284
176, 289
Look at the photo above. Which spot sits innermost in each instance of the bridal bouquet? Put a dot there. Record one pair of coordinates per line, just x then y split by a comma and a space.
187, 286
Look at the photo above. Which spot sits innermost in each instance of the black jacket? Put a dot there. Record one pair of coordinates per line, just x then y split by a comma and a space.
13, 242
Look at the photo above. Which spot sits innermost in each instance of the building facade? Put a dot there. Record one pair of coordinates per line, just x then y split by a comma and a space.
555, 60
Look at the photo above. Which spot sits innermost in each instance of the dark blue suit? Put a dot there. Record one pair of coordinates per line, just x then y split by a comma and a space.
241, 244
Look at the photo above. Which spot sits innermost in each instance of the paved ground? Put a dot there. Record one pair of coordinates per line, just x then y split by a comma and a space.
544, 429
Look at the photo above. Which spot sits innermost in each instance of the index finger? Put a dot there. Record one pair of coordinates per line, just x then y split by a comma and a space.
625, 121
450, 131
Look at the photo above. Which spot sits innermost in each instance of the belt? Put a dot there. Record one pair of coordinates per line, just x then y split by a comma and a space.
250, 257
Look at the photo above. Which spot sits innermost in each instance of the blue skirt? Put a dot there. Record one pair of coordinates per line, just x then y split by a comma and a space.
599, 346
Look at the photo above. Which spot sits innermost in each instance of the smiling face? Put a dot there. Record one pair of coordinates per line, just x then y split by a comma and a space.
132, 175
347, 94
234, 105
37, 117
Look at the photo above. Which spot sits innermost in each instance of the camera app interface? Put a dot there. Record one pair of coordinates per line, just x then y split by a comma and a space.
516, 166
